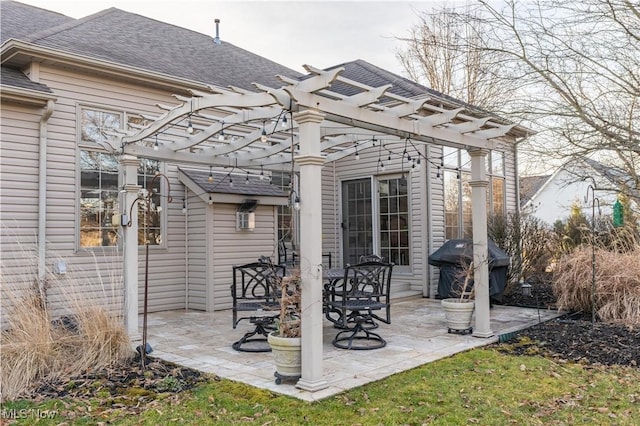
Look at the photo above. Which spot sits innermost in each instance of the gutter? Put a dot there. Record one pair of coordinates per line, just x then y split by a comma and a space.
42, 196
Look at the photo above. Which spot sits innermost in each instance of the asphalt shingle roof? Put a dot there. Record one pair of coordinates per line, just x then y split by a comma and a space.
530, 185
18, 20
222, 184
137, 41
13, 77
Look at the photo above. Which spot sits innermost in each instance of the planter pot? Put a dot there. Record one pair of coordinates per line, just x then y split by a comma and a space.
458, 314
287, 354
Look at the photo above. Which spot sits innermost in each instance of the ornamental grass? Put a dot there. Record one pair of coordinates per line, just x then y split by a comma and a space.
57, 331
617, 284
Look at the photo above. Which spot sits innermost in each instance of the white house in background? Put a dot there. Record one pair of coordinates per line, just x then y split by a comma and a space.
550, 197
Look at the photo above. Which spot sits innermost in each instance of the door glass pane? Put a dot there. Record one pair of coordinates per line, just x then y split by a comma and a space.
394, 224
357, 220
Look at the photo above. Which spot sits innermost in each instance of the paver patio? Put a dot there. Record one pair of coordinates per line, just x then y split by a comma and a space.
416, 336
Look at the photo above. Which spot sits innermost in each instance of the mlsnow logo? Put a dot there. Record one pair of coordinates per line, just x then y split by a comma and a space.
28, 413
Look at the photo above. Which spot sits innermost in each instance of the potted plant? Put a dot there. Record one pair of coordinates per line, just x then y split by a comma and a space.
285, 341
458, 310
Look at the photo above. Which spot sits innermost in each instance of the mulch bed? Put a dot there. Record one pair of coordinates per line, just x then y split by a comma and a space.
571, 337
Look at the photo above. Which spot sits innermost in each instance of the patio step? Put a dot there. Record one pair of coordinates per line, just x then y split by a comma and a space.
401, 296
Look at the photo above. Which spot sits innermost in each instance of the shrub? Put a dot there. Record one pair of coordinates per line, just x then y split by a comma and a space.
617, 284
528, 241
36, 347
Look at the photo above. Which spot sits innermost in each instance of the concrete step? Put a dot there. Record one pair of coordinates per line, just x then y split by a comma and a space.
406, 295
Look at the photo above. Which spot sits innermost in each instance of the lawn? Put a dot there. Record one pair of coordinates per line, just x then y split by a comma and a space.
483, 386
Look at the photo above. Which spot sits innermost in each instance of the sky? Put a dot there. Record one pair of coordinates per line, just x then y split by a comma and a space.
292, 33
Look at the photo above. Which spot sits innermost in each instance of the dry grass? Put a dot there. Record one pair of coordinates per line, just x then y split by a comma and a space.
38, 347
617, 284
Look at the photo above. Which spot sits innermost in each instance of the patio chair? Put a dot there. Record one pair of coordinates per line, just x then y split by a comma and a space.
285, 256
254, 289
363, 292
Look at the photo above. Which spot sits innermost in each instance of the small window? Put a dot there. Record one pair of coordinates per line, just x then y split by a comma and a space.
245, 216
245, 220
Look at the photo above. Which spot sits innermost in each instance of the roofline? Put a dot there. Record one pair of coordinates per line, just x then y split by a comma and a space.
543, 186
12, 49
30, 96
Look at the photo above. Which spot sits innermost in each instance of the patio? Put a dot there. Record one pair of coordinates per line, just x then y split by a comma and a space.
417, 335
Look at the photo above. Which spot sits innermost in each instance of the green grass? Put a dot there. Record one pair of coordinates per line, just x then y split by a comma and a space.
481, 387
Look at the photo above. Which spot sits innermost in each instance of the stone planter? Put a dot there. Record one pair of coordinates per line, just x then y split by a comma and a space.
458, 313
287, 355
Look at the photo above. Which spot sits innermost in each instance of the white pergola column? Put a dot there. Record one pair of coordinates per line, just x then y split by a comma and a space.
479, 184
310, 163
129, 170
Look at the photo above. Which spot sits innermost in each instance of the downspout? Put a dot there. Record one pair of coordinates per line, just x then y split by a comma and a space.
42, 198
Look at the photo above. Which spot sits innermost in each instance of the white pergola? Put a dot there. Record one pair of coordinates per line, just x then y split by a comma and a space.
239, 129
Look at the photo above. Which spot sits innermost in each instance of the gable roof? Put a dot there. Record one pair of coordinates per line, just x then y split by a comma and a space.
136, 41
18, 20
530, 185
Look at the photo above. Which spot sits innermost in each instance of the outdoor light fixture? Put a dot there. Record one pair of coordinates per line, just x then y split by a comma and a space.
247, 180
190, 127
210, 200
230, 181
296, 203
284, 122
221, 135
155, 144
184, 206
263, 137
210, 175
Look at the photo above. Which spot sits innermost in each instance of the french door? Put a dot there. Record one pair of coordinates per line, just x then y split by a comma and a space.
357, 226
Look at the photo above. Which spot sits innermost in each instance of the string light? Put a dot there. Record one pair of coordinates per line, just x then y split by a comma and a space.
247, 180
210, 200
261, 173
284, 121
210, 175
230, 181
221, 135
155, 144
190, 126
357, 155
184, 206
263, 137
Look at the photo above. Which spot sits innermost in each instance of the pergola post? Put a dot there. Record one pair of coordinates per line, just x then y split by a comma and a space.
310, 163
129, 170
479, 184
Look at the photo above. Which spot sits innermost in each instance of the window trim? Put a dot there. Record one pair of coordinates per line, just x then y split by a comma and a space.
82, 145
377, 225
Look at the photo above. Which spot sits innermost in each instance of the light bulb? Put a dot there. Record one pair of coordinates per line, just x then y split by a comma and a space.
210, 178
382, 166
357, 156
155, 145
190, 128
221, 136
284, 122
296, 203
231, 182
264, 137
210, 200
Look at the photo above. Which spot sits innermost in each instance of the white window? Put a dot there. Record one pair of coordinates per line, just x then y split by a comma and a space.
99, 186
245, 220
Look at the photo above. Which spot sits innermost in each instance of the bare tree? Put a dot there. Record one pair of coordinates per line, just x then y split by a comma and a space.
446, 53
579, 63
569, 70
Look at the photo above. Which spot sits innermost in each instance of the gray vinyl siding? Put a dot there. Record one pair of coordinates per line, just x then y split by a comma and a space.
331, 215
198, 254
436, 214
19, 189
236, 247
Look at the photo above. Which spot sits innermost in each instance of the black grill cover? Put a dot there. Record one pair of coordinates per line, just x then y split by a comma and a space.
455, 254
